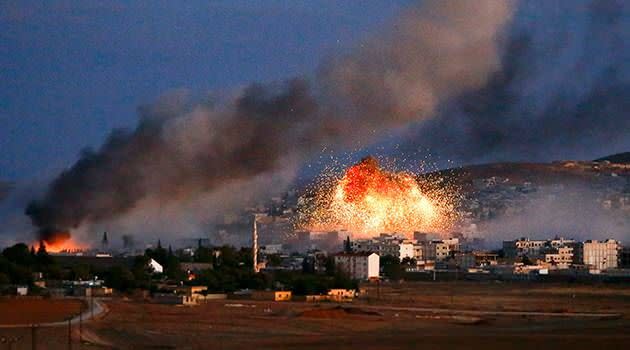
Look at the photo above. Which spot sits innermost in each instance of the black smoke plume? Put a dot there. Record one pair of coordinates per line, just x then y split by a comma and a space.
181, 149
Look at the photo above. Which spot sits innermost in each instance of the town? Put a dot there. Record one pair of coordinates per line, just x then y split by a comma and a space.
191, 273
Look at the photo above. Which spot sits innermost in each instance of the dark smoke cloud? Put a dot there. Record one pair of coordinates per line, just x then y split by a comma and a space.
563, 91
182, 149
576, 212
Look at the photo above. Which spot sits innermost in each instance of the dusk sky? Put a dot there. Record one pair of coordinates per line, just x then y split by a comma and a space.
72, 71
110, 110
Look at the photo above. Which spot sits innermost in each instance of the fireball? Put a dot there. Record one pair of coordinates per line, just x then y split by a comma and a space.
368, 200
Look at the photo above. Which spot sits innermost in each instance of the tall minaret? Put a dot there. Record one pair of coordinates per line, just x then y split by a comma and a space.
255, 245
104, 242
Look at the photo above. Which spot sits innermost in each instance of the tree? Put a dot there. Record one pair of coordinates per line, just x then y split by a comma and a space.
274, 260
81, 272
120, 278
408, 262
19, 254
42, 258
347, 246
391, 267
4, 279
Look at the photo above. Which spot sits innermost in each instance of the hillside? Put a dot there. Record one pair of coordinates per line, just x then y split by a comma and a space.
543, 174
620, 158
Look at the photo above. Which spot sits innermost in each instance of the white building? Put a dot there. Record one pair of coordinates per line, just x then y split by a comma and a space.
155, 266
406, 250
561, 259
386, 244
360, 266
599, 255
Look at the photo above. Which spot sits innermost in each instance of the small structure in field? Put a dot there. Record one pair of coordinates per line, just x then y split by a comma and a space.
173, 299
278, 295
342, 294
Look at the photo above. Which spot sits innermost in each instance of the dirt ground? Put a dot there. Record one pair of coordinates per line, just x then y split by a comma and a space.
35, 310
378, 324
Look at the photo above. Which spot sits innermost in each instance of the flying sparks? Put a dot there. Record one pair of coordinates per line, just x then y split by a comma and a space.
367, 200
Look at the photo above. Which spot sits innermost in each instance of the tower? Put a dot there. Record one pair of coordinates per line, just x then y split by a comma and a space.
104, 241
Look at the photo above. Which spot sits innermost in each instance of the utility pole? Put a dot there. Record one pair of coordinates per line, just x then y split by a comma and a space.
80, 323
70, 333
34, 336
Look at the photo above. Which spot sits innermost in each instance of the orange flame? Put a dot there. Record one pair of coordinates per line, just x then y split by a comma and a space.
368, 200
63, 243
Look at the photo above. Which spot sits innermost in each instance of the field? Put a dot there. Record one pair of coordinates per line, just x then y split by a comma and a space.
411, 315
15, 311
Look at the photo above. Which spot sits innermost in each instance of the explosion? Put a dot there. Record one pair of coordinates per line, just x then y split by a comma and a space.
369, 200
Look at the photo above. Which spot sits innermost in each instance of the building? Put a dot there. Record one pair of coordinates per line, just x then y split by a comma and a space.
523, 247
600, 255
420, 236
485, 258
436, 250
453, 244
278, 295
386, 244
360, 266
272, 249
418, 252
465, 261
91, 291
21, 290
155, 266
173, 299
561, 258
406, 250
193, 269
341, 294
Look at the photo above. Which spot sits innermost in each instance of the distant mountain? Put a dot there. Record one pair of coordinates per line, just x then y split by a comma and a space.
619, 158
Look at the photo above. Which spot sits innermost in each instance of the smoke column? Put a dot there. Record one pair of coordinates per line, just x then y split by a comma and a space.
563, 91
182, 148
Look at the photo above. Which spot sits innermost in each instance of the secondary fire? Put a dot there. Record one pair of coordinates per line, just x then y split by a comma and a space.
61, 242
368, 200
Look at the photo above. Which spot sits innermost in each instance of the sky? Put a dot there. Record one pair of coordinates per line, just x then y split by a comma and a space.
73, 71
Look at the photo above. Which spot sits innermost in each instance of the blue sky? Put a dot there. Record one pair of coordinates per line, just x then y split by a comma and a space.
72, 71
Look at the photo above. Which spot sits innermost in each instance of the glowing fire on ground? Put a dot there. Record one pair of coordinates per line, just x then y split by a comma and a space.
369, 200
62, 243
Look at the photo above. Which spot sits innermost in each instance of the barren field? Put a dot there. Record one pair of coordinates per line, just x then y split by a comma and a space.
34, 310
399, 320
